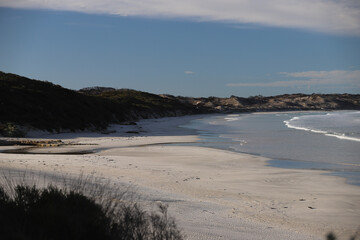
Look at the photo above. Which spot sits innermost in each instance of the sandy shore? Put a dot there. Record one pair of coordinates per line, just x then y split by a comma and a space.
213, 194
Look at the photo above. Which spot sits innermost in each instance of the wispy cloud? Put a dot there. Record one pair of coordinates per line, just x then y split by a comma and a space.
189, 72
310, 78
81, 24
331, 16
354, 67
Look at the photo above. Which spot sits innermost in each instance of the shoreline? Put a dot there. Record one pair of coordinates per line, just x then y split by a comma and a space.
210, 192
224, 141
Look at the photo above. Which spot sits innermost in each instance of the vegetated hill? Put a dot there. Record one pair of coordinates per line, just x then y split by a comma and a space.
141, 105
47, 106
44, 105
286, 102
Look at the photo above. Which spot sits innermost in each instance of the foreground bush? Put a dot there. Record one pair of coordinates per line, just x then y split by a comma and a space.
28, 212
332, 236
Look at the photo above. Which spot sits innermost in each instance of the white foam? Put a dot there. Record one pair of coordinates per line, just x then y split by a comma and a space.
241, 141
343, 137
326, 133
230, 119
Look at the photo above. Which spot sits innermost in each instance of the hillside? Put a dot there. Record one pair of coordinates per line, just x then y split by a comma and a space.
142, 105
43, 105
286, 102
47, 106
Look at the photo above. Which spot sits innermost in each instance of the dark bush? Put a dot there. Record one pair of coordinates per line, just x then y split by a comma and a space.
56, 213
332, 236
10, 130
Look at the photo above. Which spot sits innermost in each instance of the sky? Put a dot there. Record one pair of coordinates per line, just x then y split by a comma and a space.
192, 48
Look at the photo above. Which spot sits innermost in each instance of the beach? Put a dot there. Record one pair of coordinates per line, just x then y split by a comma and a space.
212, 193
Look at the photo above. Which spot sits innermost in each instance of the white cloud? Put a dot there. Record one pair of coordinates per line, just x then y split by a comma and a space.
331, 16
189, 72
310, 78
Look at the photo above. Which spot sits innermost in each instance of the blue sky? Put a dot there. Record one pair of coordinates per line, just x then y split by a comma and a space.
185, 50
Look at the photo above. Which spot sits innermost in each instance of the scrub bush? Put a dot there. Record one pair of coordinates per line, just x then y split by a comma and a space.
29, 212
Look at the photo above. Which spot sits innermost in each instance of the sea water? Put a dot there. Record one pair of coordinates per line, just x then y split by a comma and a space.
303, 140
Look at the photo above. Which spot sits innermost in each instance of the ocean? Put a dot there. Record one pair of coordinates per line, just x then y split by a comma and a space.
302, 140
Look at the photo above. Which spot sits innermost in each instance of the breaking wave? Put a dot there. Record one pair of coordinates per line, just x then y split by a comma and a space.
342, 125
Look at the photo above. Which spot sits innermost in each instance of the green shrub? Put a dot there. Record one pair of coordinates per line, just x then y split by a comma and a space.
10, 130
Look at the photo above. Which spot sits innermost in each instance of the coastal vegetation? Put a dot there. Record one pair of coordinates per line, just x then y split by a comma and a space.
11, 130
46, 106
26, 103
83, 211
332, 236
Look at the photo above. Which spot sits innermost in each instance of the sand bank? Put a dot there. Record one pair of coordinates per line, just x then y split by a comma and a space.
214, 194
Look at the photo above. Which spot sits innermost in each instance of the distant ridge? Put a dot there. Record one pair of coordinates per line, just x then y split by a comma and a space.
44, 105
286, 102
96, 90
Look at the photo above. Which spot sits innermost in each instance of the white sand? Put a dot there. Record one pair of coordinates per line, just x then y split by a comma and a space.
213, 194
